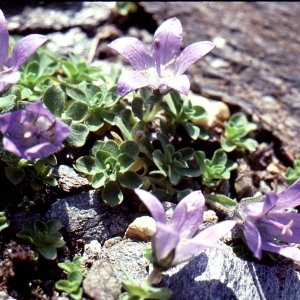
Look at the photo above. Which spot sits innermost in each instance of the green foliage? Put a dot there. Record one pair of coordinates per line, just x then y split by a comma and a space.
125, 8
74, 265
110, 168
43, 236
76, 70
71, 285
222, 199
37, 74
4, 222
173, 164
180, 111
92, 105
292, 174
37, 172
217, 168
236, 129
135, 291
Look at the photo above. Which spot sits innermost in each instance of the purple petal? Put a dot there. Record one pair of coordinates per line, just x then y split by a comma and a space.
180, 84
269, 202
254, 210
283, 218
153, 204
169, 34
134, 51
191, 54
290, 197
188, 215
7, 80
4, 40
287, 251
130, 81
204, 240
24, 49
165, 240
253, 238
39, 151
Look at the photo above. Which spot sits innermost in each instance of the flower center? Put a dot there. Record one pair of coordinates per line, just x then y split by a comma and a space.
41, 128
6, 70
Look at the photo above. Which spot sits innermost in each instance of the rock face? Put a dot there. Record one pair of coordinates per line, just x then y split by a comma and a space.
255, 64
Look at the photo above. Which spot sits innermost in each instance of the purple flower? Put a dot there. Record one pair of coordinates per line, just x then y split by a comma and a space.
33, 132
163, 68
174, 241
10, 65
267, 222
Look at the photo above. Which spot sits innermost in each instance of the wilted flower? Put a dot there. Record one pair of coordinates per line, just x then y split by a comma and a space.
269, 224
174, 241
10, 65
33, 132
163, 68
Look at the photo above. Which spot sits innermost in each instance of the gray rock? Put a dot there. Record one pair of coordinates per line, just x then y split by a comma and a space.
101, 283
86, 216
220, 275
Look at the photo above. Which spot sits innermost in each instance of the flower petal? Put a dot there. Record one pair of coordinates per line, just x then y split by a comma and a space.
4, 40
24, 49
169, 34
134, 51
7, 80
253, 238
269, 202
39, 151
165, 241
179, 83
283, 218
188, 215
204, 240
191, 54
284, 250
290, 197
153, 204
130, 81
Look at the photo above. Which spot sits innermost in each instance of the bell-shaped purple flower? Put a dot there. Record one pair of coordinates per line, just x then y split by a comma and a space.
270, 224
175, 241
163, 68
33, 132
10, 65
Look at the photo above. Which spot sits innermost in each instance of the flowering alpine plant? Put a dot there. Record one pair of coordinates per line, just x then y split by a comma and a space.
33, 132
175, 241
270, 224
10, 65
161, 69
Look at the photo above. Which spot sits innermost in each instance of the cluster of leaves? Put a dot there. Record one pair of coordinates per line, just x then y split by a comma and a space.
292, 174
43, 236
36, 172
4, 222
236, 130
75, 271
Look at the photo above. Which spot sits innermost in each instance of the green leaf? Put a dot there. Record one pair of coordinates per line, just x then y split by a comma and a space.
78, 135
131, 148
98, 180
86, 164
125, 161
112, 148
137, 107
221, 199
7, 103
247, 143
14, 174
48, 252
77, 111
55, 100
129, 180
192, 130
112, 194
227, 145
93, 121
